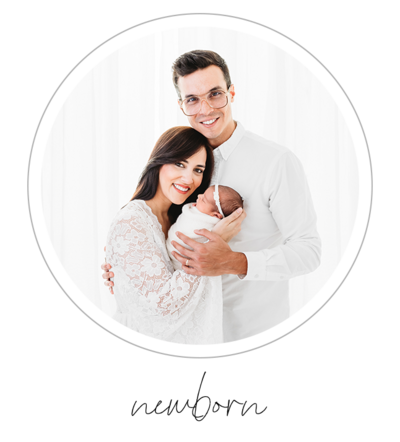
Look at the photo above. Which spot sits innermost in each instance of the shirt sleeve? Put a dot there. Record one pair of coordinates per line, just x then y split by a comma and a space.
156, 300
292, 209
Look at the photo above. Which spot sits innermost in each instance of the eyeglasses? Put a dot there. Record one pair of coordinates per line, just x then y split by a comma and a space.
216, 99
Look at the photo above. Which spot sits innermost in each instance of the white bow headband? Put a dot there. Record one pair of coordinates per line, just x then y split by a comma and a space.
217, 202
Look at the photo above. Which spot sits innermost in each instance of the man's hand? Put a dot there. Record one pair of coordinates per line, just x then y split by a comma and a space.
213, 258
107, 275
230, 226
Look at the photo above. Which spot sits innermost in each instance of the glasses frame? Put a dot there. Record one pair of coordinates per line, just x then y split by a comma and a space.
205, 99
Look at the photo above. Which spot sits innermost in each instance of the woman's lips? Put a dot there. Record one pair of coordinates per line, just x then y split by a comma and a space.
181, 189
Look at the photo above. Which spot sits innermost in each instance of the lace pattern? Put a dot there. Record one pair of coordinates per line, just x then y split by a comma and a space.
151, 297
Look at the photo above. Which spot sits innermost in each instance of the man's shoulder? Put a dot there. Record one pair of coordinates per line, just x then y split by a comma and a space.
257, 145
255, 141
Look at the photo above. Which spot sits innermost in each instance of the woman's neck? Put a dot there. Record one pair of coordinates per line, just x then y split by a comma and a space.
160, 208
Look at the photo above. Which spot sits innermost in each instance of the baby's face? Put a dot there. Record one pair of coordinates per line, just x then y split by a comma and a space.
205, 203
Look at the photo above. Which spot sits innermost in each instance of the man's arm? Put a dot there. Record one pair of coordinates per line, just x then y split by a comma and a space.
290, 203
292, 209
216, 258
213, 258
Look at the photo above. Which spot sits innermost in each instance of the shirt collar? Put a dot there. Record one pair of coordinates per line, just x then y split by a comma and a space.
229, 146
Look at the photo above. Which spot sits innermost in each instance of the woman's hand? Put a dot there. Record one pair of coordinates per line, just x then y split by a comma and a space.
230, 226
107, 275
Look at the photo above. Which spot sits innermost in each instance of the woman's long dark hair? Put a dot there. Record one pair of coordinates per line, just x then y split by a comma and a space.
176, 144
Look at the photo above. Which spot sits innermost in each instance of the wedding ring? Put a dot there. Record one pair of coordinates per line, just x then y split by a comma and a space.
187, 263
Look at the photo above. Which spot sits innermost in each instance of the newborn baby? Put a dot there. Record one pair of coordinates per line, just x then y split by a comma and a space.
216, 203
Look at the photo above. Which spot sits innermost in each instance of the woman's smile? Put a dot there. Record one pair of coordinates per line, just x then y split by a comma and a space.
180, 188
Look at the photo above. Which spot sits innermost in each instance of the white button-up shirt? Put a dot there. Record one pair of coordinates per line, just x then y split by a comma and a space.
278, 236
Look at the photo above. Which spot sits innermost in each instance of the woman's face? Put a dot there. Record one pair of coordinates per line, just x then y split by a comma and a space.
179, 180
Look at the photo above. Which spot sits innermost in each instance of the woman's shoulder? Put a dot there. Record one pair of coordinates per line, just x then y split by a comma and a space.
137, 214
129, 222
136, 222
133, 210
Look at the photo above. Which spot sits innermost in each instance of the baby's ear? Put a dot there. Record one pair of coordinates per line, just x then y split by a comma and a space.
217, 215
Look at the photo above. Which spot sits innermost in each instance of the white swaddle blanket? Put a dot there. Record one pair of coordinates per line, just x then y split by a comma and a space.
189, 220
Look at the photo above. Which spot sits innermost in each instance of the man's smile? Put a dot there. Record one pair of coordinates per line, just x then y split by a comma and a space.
209, 123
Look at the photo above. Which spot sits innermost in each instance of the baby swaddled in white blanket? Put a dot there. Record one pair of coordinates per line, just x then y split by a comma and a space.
189, 220
216, 203
210, 207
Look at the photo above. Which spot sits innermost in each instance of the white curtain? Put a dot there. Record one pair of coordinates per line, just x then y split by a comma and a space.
105, 131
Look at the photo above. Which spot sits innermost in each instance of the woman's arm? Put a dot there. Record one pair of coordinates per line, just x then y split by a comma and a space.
145, 286
226, 229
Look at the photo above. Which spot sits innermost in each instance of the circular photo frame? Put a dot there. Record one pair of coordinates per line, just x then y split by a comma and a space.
220, 25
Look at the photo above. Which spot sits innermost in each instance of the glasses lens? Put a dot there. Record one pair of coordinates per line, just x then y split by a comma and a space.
191, 106
215, 99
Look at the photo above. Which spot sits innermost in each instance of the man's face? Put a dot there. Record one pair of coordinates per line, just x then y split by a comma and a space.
215, 124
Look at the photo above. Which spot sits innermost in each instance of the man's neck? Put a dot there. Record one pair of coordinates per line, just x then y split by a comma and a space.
218, 141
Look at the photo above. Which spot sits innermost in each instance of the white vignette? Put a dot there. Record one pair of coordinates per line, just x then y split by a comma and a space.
35, 185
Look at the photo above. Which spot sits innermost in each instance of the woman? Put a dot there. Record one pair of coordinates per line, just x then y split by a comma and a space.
152, 298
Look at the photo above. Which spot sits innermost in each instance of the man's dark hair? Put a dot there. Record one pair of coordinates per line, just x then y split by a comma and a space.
229, 199
194, 60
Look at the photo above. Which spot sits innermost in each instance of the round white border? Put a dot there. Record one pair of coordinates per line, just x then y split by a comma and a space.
197, 20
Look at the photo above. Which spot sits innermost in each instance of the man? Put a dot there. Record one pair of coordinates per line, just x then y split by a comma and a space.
278, 239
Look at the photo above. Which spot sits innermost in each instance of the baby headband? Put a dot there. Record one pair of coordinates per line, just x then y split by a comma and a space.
216, 199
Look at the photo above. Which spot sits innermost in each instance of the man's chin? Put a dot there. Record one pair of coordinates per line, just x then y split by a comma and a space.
209, 131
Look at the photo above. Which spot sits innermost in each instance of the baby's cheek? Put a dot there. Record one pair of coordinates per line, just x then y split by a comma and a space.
209, 209
200, 207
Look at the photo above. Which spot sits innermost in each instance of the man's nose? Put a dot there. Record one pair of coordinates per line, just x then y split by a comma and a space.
205, 108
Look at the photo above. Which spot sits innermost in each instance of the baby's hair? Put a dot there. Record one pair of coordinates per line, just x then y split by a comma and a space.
230, 200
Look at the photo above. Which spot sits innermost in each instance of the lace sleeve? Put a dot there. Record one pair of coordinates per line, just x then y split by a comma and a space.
156, 299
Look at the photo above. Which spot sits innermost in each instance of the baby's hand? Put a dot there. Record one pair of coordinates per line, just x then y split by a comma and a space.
230, 226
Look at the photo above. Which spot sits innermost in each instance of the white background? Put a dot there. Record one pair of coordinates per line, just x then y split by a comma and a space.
105, 130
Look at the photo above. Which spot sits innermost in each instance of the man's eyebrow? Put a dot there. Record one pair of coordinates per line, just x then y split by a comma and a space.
215, 88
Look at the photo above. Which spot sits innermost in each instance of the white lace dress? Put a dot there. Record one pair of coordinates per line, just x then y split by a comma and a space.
151, 297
